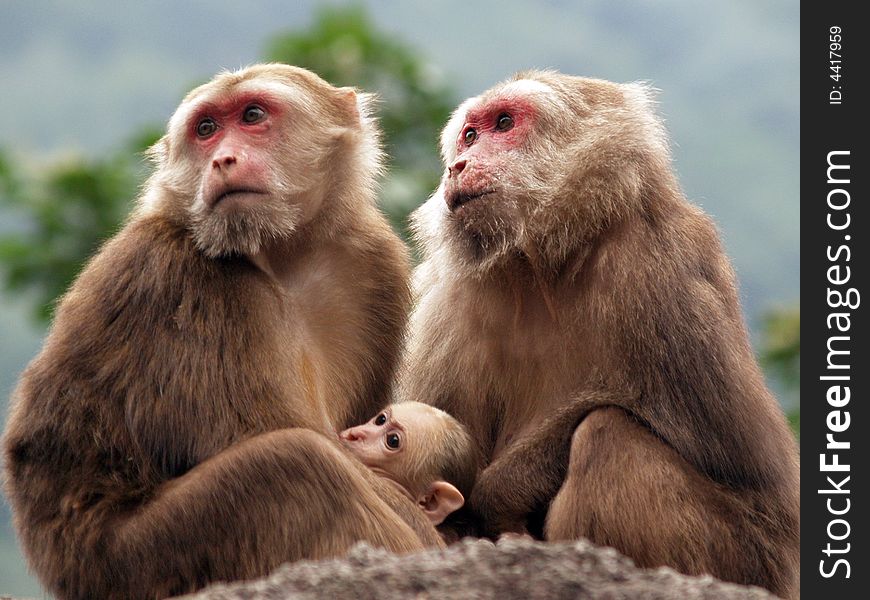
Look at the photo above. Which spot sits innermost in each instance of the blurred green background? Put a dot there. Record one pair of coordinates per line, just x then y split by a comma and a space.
85, 86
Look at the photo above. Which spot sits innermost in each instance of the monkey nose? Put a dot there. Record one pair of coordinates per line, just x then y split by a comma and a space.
456, 168
354, 434
222, 162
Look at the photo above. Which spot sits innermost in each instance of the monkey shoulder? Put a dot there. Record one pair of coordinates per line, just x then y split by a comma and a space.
148, 274
647, 257
675, 333
375, 263
145, 309
373, 243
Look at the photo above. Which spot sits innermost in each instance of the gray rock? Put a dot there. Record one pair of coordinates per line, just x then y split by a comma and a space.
478, 570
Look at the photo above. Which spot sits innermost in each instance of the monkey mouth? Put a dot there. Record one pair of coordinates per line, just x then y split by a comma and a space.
457, 199
226, 193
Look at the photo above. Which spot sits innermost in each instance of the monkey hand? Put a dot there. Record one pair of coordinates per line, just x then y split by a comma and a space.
510, 535
498, 510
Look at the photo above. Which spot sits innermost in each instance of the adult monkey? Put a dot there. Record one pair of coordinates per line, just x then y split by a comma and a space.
167, 434
566, 281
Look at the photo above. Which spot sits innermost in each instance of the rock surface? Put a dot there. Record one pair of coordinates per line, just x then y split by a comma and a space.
479, 569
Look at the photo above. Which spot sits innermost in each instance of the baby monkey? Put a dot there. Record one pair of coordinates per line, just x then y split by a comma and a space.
425, 452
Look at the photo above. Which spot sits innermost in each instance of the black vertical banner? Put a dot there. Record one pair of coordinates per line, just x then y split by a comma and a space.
835, 368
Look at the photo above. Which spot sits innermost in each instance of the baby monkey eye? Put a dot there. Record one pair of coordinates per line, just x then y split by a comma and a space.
470, 136
206, 127
253, 114
504, 122
381, 419
393, 440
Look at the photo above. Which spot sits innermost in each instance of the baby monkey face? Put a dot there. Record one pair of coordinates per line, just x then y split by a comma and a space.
415, 445
395, 438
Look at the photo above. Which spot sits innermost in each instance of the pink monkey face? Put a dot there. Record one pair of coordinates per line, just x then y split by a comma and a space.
489, 137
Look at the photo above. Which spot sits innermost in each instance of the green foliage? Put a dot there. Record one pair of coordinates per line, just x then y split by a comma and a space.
345, 48
781, 351
794, 419
66, 213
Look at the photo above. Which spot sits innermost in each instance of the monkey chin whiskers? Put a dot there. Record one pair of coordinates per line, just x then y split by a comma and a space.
243, 228
458, 199
236, 195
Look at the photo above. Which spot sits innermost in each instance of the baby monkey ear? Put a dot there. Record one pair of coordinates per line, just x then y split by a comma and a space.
350, 103
440, 500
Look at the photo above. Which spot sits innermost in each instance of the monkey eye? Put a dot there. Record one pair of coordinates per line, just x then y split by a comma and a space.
393, 441
253, 114
470, 136
381, 419
206, 127
504, 122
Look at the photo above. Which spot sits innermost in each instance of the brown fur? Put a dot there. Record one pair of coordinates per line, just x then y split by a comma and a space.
453, 458
586, 290
167, 434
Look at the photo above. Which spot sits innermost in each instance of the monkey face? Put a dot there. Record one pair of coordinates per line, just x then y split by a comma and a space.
483, 199
401, 442
247, 155
537, 166
379, 442
241, 198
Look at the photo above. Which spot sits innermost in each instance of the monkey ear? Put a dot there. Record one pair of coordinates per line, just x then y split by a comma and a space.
440, 500
350, 100
357, 104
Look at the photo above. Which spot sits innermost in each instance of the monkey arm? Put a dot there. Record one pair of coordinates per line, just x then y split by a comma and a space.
527, 475
409, 512
276, 497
